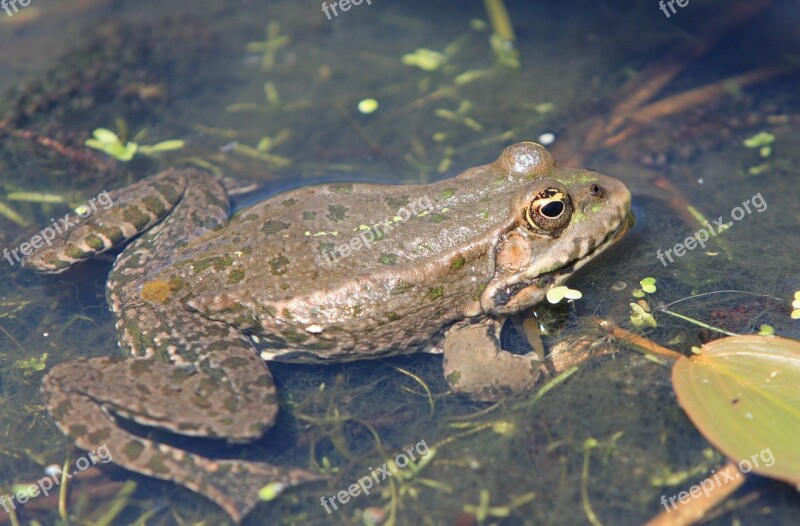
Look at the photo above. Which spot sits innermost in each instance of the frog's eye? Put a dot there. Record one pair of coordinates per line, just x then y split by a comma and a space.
549, 210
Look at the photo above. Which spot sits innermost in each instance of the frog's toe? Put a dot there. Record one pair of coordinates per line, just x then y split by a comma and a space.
475, 365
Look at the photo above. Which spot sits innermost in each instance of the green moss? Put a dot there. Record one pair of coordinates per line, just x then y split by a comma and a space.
337, 213
436, 293
388, 259
273, 226
235, 276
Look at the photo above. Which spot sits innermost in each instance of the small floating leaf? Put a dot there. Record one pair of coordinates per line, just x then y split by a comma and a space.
368, 106
557, 294
165, 146
741, 393
425, 59
640, 318
648, 285
760, 139
271, 491
32, 365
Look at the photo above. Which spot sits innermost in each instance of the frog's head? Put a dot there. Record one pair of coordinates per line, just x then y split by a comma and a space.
556, 224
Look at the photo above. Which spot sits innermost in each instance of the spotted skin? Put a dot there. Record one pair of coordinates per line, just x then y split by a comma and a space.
191, 376
197, 291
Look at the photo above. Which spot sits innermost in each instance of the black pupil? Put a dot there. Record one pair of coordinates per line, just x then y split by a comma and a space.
552, 209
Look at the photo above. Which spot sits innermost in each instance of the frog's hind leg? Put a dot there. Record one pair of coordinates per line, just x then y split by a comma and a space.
189, 375
87, 397
108, 220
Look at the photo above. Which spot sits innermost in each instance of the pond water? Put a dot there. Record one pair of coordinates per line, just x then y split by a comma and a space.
273, 94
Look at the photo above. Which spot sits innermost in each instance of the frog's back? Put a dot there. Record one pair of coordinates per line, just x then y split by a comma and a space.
327, 258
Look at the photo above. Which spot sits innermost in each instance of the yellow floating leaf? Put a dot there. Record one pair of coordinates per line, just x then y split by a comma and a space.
741, 393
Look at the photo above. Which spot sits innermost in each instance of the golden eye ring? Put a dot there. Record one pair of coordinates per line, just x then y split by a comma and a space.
549, 210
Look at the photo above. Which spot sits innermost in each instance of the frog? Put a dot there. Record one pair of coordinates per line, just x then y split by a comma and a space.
204, 299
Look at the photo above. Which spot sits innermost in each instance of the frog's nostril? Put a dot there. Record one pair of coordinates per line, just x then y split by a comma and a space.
597, 190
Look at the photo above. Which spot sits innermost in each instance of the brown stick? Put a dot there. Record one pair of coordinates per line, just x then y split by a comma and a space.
653, 78
724, 483
703, 94
639, 341
81, 156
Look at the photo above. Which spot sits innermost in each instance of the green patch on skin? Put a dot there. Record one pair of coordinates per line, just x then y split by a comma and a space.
477, 295
134, 216
213, 200
56, 264
270, 311
140, 367
177, 283
234, 362
436, 218
75, 253
397, 202
309, 216
341, 188
326, 247
484, 215
78, 431
230, 404
287, 314
132, 450
203, 264
392, 316
168, 191
188, 426
156, 465
235, 276
401, 288
356, 310
388, 259
578, 217
154, 205
457, 263
95, 242
573, 178
278, 266
99, 436
201, 402
61, 410
336, 213
454, 377
289, 202
273, 226
292, 336
436, 293
221, 263
112, 233
447, 193
180, 374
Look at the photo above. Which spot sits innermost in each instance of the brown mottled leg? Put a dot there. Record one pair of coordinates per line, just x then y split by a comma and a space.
87, 397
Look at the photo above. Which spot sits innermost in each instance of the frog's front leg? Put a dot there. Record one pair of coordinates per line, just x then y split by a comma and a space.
475, 365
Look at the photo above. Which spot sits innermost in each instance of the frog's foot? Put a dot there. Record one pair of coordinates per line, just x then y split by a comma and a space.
88, 397
474, 363
111, 218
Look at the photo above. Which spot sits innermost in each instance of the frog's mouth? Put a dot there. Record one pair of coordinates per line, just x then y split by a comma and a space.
522, 291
